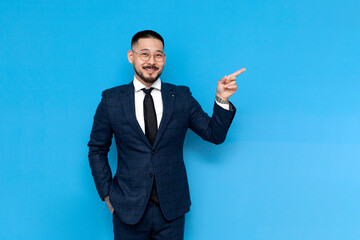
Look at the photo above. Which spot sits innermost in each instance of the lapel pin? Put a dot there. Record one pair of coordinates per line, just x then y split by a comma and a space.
172, 95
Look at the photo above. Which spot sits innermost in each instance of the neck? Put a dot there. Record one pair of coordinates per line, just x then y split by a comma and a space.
142, 81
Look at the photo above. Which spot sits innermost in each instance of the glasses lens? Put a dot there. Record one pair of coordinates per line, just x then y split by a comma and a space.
159, 57
145, 55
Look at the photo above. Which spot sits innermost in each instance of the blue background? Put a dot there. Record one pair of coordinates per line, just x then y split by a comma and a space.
289, 168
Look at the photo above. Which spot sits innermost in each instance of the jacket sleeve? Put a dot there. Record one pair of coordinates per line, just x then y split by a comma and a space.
99, 146
212, 129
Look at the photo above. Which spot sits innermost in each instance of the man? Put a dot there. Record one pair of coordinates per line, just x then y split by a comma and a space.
149, 193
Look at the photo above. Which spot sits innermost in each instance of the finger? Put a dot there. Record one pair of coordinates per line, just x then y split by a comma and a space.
231, 83
230, 80
231, 77
223, 80
231, 87
237, 73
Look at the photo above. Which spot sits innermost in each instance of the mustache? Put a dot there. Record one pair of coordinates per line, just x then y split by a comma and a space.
151, 67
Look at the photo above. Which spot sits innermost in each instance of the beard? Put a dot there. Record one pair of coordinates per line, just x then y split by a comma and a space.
149, 79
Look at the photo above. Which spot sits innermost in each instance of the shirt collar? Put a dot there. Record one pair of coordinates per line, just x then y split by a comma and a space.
138, 85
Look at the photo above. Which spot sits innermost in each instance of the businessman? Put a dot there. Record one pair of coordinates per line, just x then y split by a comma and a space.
149, 194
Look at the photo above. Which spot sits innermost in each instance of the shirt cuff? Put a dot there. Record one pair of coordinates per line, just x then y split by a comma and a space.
225, 106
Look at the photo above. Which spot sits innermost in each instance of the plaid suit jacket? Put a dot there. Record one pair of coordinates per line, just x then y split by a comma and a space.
139, 162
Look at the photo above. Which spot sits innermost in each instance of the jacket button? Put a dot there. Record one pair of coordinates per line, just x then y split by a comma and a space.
153, 152
151, 174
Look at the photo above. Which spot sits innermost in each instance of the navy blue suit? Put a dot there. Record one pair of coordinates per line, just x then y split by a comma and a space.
138, 161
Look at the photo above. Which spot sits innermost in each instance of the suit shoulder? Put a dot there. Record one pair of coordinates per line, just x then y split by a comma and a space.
115, 90
178, 88
183, 88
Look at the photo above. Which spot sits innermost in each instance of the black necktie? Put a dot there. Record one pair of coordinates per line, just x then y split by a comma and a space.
149, 116
150, 130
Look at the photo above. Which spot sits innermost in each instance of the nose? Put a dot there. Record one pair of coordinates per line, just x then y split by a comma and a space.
151, 59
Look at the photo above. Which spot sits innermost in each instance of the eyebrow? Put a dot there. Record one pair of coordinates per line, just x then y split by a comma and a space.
149, 50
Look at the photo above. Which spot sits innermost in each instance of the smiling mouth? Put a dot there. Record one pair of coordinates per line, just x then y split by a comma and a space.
150, 69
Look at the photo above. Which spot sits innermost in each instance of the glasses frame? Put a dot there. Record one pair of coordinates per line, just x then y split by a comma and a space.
150, 56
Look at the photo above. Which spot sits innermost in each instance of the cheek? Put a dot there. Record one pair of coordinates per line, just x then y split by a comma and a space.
161, 66
137, 66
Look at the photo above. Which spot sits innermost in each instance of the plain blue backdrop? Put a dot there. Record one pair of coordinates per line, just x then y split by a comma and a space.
293, 150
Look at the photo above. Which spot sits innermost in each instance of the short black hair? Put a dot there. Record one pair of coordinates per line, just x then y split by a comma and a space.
146, 34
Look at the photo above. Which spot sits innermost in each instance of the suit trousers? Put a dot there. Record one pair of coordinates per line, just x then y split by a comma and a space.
152, 226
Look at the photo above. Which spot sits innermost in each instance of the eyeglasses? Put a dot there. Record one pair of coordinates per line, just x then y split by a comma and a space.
146, 54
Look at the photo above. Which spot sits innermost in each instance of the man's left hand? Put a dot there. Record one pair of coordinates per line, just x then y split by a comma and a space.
226, 86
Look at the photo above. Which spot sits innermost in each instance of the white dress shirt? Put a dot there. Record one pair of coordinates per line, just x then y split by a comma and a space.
139, 101
158, 103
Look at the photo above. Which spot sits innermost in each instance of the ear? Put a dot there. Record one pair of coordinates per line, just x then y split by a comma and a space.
130, 56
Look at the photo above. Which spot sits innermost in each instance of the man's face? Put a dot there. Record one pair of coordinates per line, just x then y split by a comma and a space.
147, 71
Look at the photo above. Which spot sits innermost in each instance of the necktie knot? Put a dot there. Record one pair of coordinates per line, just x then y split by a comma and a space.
147, 90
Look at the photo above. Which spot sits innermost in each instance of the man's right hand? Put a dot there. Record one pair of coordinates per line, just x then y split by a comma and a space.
109, 204
226, 86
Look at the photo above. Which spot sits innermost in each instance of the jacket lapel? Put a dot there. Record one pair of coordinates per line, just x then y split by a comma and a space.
127, 100
168, 98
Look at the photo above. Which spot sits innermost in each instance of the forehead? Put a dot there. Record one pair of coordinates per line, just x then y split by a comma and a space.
149, 43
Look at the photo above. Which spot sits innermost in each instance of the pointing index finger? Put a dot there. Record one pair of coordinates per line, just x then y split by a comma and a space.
237, 73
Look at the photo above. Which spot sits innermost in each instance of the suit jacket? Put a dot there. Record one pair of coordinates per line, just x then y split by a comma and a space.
138, 161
